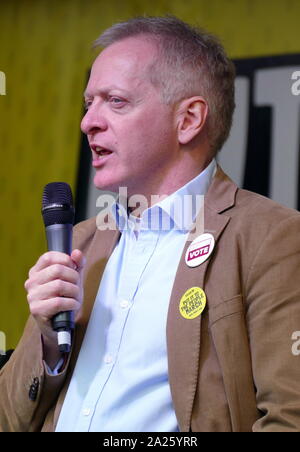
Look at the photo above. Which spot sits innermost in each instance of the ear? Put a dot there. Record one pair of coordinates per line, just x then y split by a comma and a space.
192, 114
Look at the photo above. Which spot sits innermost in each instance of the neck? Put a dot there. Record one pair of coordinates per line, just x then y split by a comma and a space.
162, 186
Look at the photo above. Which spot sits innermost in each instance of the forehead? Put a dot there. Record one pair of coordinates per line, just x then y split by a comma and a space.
123, 62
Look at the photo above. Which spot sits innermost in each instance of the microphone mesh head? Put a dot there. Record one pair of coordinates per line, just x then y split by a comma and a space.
57, 204
57, 193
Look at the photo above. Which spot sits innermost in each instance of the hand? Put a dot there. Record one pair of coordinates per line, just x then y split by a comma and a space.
54, 285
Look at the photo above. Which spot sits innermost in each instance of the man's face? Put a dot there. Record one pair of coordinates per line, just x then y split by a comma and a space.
132, 134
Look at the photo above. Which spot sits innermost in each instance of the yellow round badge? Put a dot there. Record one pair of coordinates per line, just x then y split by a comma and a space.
192, 303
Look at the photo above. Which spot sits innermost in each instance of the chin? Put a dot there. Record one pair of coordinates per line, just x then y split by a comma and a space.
114, 184
109, 185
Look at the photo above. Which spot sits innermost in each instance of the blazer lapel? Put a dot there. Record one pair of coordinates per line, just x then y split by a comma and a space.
183, 335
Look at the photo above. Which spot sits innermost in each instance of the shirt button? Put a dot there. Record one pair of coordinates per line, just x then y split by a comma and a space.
124, 304
86, 411
108, 359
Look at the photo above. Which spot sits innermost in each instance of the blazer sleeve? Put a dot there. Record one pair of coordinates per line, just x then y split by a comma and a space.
27, 391
273, 317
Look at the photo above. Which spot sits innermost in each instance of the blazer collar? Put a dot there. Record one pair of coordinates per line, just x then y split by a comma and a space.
221, 193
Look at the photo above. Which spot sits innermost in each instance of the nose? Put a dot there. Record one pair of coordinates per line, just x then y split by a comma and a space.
93, 121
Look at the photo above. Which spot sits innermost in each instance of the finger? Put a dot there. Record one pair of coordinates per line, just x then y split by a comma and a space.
48, 308
52, 289
51, 258
56, 271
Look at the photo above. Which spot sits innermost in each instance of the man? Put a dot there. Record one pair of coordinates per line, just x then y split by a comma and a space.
171, 334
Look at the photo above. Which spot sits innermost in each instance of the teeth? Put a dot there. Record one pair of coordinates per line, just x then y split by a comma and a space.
101, 152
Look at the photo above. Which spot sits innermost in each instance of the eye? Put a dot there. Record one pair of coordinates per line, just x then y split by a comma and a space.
116, 101
87, 104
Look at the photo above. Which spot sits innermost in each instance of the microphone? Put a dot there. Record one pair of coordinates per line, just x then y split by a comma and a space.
58, 215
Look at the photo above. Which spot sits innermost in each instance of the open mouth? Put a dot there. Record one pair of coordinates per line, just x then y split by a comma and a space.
101, 152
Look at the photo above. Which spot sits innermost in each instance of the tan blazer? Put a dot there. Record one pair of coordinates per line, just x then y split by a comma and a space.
230, 369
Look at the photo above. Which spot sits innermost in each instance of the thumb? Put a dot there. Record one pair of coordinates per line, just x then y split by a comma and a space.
78, 259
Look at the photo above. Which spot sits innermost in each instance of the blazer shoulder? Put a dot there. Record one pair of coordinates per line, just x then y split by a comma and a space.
260, 207
84, 233
255, 219
225, 196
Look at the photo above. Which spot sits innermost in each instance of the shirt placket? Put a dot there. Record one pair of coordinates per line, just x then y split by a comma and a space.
138, 254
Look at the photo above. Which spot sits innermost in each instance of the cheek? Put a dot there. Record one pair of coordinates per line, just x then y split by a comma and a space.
156, 129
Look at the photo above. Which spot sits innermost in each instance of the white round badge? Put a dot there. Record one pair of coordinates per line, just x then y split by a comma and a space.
199, 250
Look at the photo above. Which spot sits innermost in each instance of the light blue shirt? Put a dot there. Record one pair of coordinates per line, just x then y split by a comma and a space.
120, 382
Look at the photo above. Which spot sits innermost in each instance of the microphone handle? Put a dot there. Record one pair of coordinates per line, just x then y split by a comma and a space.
59, 238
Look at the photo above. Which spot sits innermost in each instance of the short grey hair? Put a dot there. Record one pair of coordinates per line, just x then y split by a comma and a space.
190, 62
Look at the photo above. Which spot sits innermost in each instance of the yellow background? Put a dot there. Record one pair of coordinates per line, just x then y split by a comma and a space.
45, 52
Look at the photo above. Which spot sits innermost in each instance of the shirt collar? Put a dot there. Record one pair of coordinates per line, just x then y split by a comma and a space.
184, 204
178, 210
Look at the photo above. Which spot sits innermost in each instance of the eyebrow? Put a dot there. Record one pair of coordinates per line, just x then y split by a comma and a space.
104, 91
